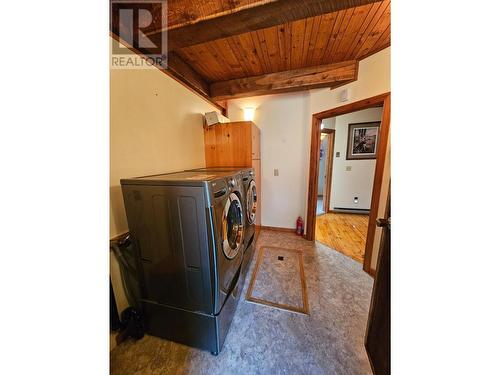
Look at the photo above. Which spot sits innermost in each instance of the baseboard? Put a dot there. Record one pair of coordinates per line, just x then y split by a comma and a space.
278, 229
349, 211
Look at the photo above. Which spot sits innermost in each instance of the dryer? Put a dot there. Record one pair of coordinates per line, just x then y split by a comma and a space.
250, 204
189, 231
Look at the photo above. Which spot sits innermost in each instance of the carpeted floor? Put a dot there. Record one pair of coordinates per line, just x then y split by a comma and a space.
266, 340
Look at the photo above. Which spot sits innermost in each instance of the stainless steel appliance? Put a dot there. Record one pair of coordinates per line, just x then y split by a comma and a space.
188, 229
250, 205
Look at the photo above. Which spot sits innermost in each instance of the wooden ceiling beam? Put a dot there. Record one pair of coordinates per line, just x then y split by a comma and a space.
184, 72
331, 75
259, 15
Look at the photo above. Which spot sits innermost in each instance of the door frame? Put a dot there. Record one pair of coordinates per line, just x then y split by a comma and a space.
330, 134
383, 100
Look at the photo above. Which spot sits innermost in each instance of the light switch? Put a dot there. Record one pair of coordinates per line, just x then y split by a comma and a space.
344, 95
348, 168
276, 172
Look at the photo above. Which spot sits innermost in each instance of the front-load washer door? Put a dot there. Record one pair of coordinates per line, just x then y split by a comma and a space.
251, 199
230, 256
232, 226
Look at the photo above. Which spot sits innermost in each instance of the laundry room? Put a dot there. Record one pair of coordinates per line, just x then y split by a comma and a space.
205, 187
204, 205
212, 243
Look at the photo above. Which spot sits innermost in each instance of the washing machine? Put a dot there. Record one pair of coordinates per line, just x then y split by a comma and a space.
250, 205
188, 230
250, 191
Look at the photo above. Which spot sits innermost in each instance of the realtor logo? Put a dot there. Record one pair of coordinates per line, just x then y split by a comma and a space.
139, 34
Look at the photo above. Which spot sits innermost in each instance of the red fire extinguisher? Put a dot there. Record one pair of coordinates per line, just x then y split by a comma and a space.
299, 226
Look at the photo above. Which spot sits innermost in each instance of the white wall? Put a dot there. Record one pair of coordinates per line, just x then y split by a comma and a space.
328, 123
358, 182
282, 120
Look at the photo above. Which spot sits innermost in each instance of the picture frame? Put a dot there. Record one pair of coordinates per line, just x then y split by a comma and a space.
362, 140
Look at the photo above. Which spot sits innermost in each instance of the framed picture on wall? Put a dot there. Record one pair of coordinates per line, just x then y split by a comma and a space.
362, 140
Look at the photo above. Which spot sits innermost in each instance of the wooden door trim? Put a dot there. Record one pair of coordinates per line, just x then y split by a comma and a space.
377, 183
383, 100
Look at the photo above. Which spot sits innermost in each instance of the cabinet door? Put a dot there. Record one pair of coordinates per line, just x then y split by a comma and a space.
255, 142
210, 147
240, 144
256, 167
232, 144
222, 139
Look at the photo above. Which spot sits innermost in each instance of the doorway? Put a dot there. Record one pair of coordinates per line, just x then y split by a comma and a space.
343, 224
325, 169
382, 101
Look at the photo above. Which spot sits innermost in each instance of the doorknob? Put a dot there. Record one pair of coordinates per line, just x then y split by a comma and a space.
384, 223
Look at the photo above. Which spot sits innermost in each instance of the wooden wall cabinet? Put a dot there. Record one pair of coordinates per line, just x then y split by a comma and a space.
235, 144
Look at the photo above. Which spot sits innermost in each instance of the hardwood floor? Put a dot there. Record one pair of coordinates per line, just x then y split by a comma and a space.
345, 233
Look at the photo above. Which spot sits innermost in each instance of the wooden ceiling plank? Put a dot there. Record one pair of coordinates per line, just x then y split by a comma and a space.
334, 34
188, 56
284, 39
388, 38
272, 45
264, 62
331, 40
376, 18
259, 16
233, 62
324, 34
250, 53
182, 69
340, 35
236, 49
312, 42
292, 80
307, 40
382, 41
375, 50
220, 58
387, 42
264, 47
375, 34
288, 45
205, 60
280, 31
298, 33
369, 17
355, 23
